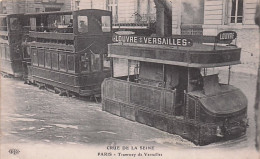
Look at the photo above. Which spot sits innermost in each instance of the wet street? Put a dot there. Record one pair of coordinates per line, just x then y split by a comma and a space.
41, 124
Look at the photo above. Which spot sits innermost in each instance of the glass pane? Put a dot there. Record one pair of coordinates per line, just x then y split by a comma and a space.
71, 65
3, 24
34, 58
54, 61
239, 19
48, 59
233, 8
62, 61
232, 20
83, 24
15, 24
84, 63
41, 57
110, 1
106, 25
33, 24
240, 8
106, 63
95, 62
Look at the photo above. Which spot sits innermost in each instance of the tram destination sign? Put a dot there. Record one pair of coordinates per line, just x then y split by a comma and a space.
153, 40
226, 35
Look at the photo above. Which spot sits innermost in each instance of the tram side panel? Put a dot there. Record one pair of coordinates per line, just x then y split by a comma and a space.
151, 106
62, 69
11, 55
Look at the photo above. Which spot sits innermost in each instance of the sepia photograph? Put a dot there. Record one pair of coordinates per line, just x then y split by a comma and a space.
129, 79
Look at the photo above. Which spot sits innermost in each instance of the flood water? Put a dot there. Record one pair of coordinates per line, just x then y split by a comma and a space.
42, 124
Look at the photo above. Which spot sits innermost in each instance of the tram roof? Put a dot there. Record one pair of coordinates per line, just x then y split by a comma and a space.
64, 12
10, 15
198, 55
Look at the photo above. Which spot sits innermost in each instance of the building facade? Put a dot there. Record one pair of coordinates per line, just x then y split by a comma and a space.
33, 6
209, 17
124, 11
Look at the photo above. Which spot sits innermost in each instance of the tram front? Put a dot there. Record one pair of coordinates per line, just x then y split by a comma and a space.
219, 107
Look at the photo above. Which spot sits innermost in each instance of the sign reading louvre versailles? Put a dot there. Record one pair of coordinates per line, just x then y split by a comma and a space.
153, 40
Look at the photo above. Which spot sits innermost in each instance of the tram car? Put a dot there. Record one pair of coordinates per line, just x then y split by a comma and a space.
68, 50
167, 87
11, 37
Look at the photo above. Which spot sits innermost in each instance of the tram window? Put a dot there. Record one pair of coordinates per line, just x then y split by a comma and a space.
26, 52
3, 24
41, 57
62, 62
47, 59
71, 63
54, 61
95, 62
84, 64
106, 62
34, 57
106, 24
82, 24
33, 24
15, 24
69, 42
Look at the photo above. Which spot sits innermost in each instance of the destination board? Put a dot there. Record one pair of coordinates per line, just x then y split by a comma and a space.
226, 35
153, 40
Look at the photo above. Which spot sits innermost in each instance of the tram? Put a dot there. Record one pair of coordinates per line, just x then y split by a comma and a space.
165, 85
68, 50
11, 37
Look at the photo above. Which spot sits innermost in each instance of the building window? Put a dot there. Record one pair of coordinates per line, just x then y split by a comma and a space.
37, 10
236, 11
38, 1
106, 23
77, 4
112, 5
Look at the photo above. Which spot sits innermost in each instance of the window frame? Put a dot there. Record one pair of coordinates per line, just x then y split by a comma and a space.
236, 16
103, 22
78, 24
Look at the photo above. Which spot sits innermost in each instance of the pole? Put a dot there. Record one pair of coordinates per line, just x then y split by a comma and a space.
128, 69
257, 97
164, 83
229, 67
